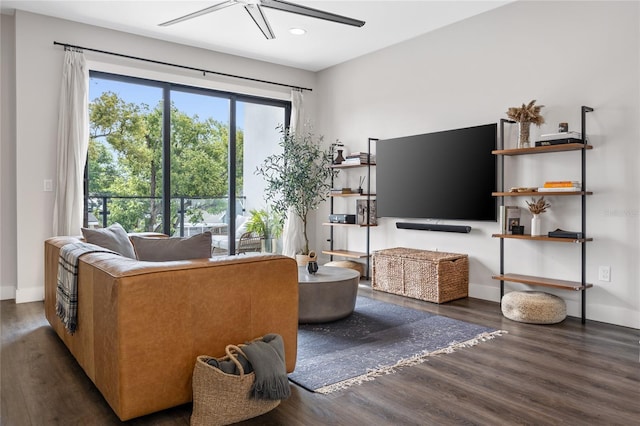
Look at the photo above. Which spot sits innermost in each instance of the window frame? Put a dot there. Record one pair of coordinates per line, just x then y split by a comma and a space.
167, 87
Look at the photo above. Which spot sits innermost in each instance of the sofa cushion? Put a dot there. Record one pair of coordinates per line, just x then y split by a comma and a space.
175, 248
113, 238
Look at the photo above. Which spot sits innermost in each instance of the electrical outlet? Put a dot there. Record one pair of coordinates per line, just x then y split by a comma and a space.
604, 273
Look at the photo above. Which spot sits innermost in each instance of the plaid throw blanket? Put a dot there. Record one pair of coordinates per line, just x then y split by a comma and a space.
67, 288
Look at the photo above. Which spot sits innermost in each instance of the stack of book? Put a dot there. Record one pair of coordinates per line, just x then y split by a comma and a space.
359, 158
561, 186
335, 191
559, 138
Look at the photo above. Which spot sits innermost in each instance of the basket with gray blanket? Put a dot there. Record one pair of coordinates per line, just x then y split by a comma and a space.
250, 380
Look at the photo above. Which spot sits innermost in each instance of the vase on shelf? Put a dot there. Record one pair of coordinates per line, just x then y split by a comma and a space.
339, 158
535, 225
524, 130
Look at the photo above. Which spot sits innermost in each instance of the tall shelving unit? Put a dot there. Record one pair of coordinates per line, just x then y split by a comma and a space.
369, 196
582, 147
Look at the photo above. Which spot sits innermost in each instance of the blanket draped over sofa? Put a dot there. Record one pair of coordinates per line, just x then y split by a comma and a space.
67, 290
142, 325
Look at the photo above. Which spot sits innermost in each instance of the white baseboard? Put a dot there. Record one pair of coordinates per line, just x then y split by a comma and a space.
7, 292
31, 294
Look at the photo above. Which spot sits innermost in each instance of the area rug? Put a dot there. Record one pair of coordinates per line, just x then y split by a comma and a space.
376, 339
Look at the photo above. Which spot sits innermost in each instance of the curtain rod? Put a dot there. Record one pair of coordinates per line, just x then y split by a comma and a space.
203, 71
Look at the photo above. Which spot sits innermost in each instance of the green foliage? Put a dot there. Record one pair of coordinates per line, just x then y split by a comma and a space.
299, 177
125, 159
265, 222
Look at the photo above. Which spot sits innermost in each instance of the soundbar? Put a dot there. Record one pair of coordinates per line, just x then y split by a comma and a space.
433, 227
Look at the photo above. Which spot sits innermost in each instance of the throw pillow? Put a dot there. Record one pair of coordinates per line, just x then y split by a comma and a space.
175, 248
113, 238
241, 228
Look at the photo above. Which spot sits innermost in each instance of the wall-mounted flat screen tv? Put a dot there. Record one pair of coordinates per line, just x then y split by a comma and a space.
442, 175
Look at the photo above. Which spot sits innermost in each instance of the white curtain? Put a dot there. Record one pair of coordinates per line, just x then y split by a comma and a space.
292, 233
73, 142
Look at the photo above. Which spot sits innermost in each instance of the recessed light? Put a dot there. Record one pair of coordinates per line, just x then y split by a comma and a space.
297, 31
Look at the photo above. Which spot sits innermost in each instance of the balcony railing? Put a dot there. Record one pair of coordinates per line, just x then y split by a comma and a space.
190, 215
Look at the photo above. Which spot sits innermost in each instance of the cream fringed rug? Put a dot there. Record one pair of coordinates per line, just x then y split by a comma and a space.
376, 339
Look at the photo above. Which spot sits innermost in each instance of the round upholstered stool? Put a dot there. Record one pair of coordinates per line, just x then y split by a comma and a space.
534, 307
356, 266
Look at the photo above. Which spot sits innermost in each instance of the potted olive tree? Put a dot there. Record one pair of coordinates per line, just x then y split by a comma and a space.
298, 178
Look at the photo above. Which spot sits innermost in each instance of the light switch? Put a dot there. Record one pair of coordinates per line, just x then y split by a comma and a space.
48, 185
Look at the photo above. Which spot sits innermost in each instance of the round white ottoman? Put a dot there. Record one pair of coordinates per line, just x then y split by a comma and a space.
356, 266
534, 307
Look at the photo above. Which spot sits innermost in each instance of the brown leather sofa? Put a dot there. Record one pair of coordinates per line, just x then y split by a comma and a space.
141, 325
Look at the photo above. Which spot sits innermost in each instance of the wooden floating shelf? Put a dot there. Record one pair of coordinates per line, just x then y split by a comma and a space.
543, 282
348, 166
351, 194
542, 194
346, 224
346, 253
543, 238
543, 149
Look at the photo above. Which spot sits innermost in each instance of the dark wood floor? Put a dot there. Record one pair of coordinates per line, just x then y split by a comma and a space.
568, 373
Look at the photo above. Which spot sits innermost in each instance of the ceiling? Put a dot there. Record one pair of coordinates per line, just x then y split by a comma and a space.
231, 30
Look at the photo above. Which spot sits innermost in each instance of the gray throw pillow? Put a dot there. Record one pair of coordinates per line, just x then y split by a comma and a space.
113, 238
175, 248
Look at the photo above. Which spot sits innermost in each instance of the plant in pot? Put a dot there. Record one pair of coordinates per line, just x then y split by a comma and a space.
299, 178
268, 224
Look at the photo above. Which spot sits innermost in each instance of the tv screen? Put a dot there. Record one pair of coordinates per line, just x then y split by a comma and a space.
442, 175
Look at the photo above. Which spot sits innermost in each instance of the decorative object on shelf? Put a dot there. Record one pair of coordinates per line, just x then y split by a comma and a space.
339, 147
360, 183
524, 116
517, 230
509, 217
312, 266
563, 127
537, 207
535, 225
298, 178
366, 214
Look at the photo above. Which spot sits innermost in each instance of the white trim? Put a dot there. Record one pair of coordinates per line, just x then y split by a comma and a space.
31, 294
7, 292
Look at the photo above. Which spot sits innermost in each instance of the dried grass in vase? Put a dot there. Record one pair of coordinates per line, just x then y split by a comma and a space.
538, 206
529, 113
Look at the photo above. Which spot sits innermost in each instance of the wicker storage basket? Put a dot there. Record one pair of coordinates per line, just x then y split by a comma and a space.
426, 275
220, 398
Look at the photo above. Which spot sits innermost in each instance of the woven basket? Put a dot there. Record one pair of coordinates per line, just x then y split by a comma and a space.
220, 398
426, 275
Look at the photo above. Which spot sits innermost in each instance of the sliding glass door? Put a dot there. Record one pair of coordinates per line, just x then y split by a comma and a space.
175, 159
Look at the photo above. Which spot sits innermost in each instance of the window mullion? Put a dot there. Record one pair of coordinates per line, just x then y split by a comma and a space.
166, 159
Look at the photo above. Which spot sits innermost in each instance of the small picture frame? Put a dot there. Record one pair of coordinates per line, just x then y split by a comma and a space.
514, 221
517, 230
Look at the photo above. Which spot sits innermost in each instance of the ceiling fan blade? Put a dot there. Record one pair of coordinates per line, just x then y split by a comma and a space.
200, 12
257, 14
308, 11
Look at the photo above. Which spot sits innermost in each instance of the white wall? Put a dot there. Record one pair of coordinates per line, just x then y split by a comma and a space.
8, 277
564, 54
38, 70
